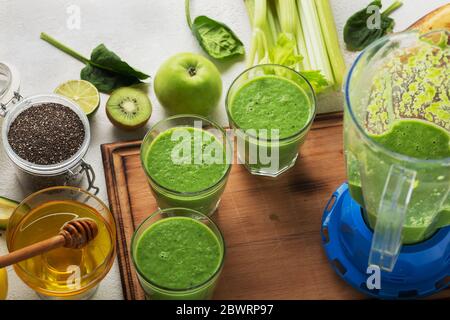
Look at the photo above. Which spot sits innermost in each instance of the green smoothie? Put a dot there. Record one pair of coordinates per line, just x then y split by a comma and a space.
178, 253
271, 102
417, 139
268, 103
187, 167
421, 140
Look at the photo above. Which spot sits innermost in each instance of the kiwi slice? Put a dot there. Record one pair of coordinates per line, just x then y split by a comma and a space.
128, 108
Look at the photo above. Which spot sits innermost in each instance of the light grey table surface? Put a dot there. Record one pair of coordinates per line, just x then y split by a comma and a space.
142, 32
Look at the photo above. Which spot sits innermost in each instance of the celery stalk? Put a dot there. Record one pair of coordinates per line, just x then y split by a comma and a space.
259, 46
314, 40
250, 5
278, 36
260, 27
301, 44
273, 23
308, 45
288, 22
289, 25
330, 36
269, 31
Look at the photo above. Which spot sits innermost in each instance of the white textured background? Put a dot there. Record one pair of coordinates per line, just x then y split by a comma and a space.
142, 32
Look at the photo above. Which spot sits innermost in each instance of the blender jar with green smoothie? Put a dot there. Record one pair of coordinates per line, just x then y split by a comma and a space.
394, 214
397, 140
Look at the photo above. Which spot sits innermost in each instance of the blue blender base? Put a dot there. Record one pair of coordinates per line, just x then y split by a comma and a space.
421, 269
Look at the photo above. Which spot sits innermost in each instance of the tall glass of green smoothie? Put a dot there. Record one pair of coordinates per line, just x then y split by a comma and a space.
187, 160
397, 140
178, 255
271, 108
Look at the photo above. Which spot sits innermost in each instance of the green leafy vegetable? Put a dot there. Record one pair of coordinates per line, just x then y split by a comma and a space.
299, 34
284, 54
358, 35
315, 44
105, 69
106, 59
106, 81
215, 38
316, 79
330, 37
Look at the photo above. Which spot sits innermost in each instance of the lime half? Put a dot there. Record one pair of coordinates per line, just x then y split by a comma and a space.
84, 93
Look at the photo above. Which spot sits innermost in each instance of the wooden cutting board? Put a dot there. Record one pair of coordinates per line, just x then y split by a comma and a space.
271, 227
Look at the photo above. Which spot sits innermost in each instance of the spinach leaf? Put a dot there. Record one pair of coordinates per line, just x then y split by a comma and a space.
103, 58
105, 70
215, 38
104, 80
357, 34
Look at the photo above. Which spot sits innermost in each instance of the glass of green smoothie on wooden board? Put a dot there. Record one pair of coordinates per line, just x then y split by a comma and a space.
271, 108
187, 160
178, 255
397, 139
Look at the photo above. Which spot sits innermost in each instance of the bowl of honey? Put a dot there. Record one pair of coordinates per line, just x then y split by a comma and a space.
62, 273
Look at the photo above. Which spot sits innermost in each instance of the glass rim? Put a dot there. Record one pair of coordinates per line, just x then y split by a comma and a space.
108, 261
348, 105
219, 237
53, 169
313, 104
214, 124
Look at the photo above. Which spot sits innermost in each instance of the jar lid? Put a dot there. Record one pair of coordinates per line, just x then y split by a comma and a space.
9, 84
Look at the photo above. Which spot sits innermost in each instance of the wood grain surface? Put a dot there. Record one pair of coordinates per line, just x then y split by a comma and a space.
271, 226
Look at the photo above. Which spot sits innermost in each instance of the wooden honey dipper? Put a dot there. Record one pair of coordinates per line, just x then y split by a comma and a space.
75, 234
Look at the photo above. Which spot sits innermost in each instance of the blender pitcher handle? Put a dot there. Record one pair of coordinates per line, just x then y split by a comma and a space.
387, 237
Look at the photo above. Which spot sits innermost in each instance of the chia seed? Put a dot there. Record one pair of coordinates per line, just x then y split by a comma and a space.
46, 134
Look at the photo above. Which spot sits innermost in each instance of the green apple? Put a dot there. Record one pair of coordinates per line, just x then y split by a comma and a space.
188, 83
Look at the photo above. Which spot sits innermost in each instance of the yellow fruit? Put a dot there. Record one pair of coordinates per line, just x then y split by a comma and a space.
84, 93
3, 284
435, 20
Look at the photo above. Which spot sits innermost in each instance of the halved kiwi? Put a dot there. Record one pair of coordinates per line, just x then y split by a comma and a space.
128, 108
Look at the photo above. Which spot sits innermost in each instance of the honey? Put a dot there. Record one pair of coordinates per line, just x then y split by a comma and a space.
62, 271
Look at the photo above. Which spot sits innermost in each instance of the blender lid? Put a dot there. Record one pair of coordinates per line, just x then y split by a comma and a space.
9, 83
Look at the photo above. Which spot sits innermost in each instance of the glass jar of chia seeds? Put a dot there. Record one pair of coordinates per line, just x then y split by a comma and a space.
45, 136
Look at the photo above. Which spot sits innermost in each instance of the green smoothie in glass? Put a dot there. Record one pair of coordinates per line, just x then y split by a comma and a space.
272, 108
187, 166
178, 254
